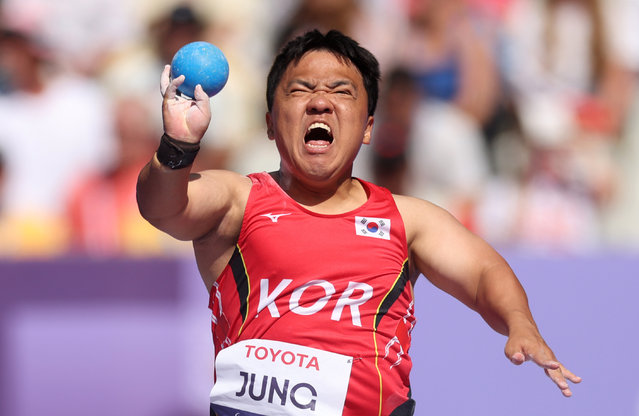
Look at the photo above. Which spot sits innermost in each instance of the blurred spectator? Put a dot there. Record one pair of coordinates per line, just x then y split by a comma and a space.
571, 96
377, 25
80, 34
621, 224
566, 80
448, 163
3, 175
102, 209
393, 123
320, 14
54, 125
3, 224
496, 9
621, 227
450, 52
571, 68
452, 61
137, 69
181, 25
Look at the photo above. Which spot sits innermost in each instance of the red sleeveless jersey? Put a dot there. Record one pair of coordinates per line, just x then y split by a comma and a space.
335, 283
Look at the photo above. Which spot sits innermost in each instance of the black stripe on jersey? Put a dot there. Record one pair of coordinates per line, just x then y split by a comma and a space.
393, 294
241, 281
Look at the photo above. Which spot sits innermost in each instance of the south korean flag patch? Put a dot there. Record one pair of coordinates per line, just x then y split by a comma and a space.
373, 227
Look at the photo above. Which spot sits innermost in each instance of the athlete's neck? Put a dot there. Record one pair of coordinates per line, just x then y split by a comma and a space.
336, 197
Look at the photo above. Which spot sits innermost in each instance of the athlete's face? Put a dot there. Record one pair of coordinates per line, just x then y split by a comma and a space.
319, 117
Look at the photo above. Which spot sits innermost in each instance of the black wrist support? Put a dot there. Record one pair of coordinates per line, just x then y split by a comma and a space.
176, 154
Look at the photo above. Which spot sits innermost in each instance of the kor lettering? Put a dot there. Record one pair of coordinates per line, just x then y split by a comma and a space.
355, 295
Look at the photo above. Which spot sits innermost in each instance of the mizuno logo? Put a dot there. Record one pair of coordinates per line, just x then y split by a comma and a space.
274, 217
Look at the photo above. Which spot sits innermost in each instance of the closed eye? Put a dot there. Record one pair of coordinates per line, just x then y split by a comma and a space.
343, 87
299, 86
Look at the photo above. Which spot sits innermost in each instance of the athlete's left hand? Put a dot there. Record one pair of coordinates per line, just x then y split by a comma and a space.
526, 344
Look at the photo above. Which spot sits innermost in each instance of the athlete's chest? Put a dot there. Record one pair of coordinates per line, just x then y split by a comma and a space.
292, 243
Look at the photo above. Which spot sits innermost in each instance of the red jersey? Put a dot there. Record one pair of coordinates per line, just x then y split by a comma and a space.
312, 295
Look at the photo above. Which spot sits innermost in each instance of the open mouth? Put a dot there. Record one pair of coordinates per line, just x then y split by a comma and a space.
318, 135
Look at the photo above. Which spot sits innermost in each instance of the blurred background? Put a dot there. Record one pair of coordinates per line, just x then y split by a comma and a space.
518, 116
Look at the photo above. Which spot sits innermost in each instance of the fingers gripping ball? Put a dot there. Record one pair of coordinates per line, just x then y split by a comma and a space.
201, 63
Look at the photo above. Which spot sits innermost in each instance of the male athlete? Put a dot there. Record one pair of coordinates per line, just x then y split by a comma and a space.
310, 271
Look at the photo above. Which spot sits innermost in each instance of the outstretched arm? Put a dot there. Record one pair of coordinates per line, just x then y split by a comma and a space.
465, 266
188, 205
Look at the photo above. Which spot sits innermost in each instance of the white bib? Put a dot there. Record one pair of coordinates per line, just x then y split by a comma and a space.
263, 377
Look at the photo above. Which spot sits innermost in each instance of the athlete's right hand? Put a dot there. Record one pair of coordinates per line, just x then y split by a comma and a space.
184, 119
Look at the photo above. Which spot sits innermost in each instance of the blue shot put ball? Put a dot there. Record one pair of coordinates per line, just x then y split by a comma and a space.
201, 63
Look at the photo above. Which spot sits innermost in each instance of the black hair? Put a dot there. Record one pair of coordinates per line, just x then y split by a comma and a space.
342, 46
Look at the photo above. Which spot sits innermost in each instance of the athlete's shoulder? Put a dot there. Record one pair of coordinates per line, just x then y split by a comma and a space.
419, 213
409, 205
424, 219
222, 177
